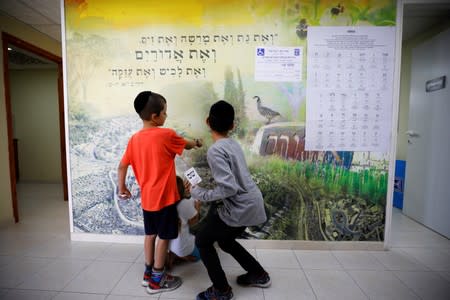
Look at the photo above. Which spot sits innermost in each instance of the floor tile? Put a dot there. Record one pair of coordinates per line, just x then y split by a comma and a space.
357, 260
382, 285
427, 285
18, 243
141, 256
228, 261
401, 223
195, 279
3, 292
121, 252
419, 239
130, 283
14, 274
288, 284
55, 276
86, 250
54, 248
38, 261
250, 293
28, 295
116, 297
331, 284
396, 259
6, 260
317, 260
78, 296
445, 274
277, 258
99, 277
435, 259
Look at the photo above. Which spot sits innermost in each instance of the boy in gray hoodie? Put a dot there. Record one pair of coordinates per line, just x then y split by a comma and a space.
243, 206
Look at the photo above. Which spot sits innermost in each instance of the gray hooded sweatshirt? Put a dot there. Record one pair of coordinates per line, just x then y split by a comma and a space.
243, 204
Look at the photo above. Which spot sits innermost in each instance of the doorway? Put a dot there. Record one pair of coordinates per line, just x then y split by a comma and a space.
422, 22
31, 54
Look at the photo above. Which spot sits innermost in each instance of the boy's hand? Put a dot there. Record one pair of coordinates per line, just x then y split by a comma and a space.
124, 193
198, 143
187, 186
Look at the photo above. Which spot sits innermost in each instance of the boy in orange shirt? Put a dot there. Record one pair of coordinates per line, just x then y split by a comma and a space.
151, 153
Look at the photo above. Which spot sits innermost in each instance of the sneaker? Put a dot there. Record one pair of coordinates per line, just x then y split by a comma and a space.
146, 279
167, 283
248, 279
214, 294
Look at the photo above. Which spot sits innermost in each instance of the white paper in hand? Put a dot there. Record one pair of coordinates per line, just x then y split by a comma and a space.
192, 176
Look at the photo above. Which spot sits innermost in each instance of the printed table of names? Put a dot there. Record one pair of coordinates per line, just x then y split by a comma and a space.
349, 88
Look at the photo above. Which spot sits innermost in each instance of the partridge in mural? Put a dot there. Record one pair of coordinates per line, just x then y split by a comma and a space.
266, 112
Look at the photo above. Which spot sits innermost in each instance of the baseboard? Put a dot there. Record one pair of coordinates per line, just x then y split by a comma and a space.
249, 244
107, 238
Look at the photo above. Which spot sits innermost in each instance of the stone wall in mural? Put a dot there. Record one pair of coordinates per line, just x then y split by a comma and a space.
286, 140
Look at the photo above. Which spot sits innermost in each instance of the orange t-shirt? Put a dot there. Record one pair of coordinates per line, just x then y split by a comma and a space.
151, 153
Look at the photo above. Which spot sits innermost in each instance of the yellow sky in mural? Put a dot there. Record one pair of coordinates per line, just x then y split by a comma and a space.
113, 13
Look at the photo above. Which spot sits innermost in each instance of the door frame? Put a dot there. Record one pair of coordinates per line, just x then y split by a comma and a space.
8, 39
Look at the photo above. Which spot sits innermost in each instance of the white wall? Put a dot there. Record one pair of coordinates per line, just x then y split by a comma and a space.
34, 101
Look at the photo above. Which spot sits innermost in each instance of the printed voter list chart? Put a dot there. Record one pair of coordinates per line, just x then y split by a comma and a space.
349, 88
278, 64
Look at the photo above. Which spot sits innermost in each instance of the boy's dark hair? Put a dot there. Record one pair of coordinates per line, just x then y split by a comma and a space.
180, 186
221, 116
147, 103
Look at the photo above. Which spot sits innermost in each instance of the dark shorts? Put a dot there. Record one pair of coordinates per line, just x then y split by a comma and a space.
163, 223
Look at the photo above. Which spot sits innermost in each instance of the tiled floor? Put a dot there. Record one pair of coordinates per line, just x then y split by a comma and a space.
38, 261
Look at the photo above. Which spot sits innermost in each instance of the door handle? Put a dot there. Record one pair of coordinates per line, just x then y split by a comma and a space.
412, 134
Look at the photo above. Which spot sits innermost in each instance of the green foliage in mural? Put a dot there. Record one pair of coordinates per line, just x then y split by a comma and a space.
299, 14
236, 97
374, 15
206, 95
319, 201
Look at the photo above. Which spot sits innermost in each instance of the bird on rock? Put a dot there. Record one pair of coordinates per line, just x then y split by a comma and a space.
266, 112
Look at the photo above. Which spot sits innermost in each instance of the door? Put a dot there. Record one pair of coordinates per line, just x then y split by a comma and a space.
427, 184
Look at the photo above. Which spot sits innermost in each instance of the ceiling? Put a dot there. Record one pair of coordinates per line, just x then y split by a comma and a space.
45, 15
418, 18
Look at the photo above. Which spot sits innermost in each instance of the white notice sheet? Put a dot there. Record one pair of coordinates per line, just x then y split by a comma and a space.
349, 88
278, 64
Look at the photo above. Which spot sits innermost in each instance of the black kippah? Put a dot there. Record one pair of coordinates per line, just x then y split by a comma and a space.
223, 110
221, 116
141, 100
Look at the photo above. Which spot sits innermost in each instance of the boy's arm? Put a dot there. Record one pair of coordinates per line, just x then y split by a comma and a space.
190, 144
121, 185
223, 176
194, 220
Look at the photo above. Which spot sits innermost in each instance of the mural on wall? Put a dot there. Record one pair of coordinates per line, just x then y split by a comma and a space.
195, 53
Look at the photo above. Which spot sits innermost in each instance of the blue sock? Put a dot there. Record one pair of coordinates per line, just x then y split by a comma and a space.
157, 275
